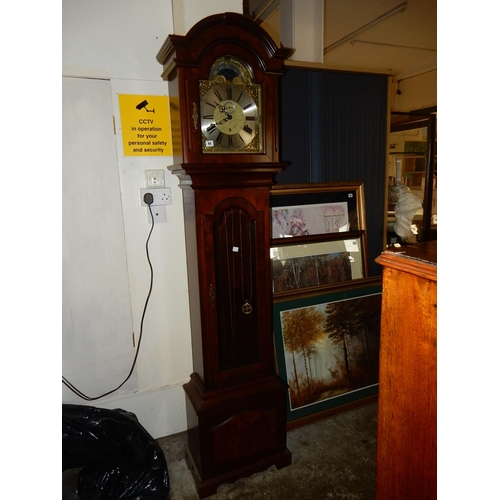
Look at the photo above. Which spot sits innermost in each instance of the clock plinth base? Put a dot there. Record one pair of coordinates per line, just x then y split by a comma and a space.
209, 487
235, 432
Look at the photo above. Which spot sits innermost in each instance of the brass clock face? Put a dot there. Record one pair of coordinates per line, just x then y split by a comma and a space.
230, 117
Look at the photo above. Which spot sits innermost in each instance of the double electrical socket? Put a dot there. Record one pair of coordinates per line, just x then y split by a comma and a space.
161, 196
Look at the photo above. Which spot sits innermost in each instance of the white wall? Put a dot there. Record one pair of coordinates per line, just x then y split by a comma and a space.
417, 92
116, 42
96, 316
115, 38
188, 12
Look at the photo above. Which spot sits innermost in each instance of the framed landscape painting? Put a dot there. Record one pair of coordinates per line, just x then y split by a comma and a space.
319, 208
313, 265
327, 347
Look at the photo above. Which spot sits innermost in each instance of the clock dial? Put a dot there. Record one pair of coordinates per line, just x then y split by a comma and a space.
230, 118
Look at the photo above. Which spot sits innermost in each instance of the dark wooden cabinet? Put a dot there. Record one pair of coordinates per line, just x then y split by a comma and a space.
235, 401
406, 441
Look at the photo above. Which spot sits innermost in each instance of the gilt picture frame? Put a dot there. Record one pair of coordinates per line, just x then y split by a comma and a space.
327, 348
317, 208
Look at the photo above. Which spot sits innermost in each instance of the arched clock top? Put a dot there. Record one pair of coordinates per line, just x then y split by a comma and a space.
220, 33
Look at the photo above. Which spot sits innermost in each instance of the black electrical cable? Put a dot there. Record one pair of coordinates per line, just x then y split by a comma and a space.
148, 200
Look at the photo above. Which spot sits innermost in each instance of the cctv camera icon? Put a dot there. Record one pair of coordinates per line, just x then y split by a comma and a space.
142, 105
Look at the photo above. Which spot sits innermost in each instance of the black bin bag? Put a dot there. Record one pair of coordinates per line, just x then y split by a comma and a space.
119, 460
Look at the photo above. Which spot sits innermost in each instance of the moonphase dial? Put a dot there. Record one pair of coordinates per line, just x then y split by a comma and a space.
232, 69
230, 118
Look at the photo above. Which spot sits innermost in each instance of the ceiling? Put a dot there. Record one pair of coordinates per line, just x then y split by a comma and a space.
386, 36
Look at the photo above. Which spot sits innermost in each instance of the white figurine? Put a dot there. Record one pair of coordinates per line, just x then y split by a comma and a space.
404, 211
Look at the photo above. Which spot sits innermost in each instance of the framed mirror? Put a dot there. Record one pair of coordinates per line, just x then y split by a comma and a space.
412, 162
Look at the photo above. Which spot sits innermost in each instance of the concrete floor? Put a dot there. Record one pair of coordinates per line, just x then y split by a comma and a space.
331, 459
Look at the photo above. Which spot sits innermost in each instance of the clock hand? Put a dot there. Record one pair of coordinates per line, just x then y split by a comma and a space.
228, 117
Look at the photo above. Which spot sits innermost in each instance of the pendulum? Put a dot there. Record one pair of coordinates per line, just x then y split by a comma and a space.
247, 307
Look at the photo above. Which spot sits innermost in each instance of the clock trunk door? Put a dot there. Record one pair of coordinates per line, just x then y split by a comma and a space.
237, 329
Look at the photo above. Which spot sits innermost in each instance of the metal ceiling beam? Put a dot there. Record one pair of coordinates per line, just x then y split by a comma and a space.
397, 10
261, 11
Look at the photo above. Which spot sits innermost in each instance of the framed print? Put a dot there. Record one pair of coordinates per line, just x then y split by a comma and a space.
297, 267
327, 348
319, 208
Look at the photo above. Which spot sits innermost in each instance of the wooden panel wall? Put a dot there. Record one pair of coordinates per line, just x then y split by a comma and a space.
333, 128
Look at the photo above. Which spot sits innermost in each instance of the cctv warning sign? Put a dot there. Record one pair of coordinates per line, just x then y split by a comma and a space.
145, 124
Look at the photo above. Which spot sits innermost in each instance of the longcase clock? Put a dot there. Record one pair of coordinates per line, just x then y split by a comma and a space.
225, 72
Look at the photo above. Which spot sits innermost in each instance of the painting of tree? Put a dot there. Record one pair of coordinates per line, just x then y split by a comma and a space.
302, 330
314, 270
331, 348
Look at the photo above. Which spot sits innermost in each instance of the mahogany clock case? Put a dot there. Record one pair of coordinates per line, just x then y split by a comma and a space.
235, 401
